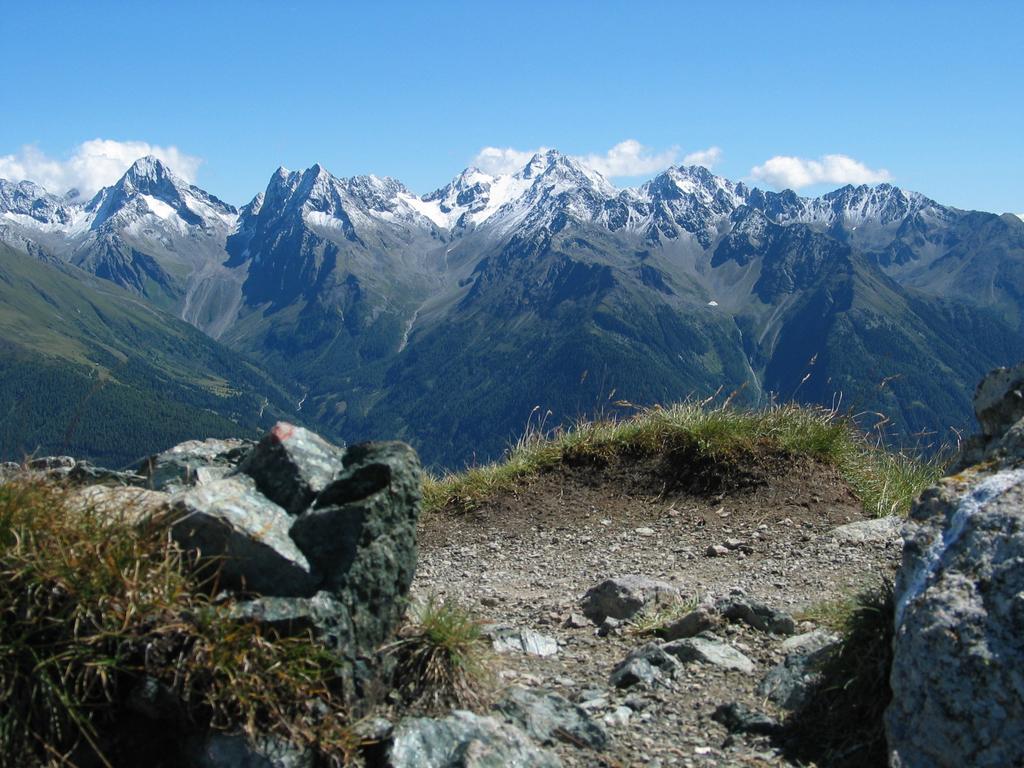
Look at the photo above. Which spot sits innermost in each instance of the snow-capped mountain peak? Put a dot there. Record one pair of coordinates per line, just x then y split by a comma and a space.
150, 188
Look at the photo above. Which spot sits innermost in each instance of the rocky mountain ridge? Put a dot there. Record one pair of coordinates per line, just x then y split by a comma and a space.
550, 287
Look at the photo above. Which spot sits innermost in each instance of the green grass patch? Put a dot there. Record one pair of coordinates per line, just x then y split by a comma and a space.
886, 482
92, 608
842, 722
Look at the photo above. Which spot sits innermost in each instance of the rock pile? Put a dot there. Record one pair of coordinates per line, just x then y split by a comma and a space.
958, 691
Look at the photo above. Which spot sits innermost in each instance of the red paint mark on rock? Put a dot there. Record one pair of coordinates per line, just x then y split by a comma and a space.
282, 431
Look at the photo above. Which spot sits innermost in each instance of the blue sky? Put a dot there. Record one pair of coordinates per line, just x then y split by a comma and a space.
929, 95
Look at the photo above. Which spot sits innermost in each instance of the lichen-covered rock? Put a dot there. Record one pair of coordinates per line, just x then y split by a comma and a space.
624, 597
291, 465
958, 667
245, 535
192, 462
465, 740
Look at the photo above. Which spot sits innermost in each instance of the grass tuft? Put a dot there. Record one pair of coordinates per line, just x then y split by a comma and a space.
442, 659
842, 722
885, 482
653, 623
91, 608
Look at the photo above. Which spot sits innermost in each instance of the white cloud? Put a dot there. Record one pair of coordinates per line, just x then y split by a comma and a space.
498, 161
91, 165
783, 172
709, 157
630, 158
627, 158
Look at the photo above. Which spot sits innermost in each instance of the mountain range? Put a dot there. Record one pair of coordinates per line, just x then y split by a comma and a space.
450, 319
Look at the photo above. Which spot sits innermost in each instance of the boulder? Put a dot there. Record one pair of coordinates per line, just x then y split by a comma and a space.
626, 596
958, 666
191, 463
708, 651
292, 465
361, 536
465, 740
245, 535
548, 717
958, 650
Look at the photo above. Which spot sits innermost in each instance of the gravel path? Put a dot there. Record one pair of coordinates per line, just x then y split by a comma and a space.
525, 560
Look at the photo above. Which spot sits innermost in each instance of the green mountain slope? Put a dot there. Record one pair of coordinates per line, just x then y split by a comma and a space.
91, 370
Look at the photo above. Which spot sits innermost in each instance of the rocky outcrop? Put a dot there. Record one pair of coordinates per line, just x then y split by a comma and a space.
958, 689
314, 535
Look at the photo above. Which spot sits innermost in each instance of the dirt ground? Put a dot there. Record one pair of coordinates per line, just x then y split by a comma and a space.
525, 560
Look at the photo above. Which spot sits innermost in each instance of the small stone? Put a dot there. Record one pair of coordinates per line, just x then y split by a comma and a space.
716, 550
644, 531
577, 621
620, 716
740, 719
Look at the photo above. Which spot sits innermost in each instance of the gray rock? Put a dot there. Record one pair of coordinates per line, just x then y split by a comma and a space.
236, 750
647, 665
465, 740
245, 535
706, 651
958, 667
548, 717
716, 550
624, 597
322, 613
633, 671
292, 465
757, 615
790, 682
878, 531
191, 463
696, 621
364, 541
508, 640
